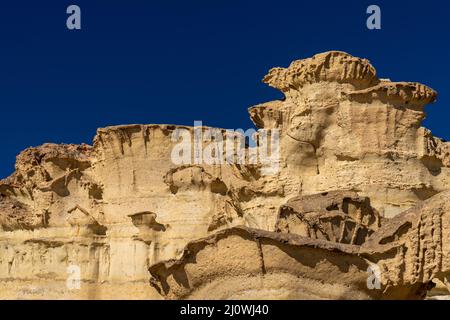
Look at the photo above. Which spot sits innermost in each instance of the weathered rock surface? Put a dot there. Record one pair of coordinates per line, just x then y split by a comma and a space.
342, 217
120, 208
410, 250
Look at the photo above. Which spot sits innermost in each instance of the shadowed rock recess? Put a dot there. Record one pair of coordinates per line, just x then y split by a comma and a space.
359, 208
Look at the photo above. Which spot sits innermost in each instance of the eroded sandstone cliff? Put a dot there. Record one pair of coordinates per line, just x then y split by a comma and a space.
122, 206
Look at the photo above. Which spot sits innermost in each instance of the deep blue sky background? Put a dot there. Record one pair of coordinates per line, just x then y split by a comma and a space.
170, 61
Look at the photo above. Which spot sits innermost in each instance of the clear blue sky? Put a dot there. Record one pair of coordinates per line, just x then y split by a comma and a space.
178, 61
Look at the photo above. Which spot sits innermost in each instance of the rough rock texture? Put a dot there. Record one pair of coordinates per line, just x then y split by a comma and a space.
342, 217
360, 183
410, 250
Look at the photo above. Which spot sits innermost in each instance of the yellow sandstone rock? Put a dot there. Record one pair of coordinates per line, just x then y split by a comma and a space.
359, 185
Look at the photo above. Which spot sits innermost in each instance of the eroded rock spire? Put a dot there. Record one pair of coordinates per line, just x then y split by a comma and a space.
351, 146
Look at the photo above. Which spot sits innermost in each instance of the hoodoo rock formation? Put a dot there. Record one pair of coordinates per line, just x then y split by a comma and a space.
358, 207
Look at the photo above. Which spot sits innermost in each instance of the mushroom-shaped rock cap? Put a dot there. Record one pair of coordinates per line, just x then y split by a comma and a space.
341, 77
332, 66
402, 93
146, 220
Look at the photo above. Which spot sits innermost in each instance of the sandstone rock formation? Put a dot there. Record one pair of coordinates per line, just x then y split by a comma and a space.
244, 263
359, 184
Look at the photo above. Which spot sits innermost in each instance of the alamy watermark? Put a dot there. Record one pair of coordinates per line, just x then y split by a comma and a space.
73, 281
374, 277
374, 20
212, 146
73, 21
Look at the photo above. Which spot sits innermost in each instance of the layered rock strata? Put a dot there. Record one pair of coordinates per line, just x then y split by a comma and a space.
358, 183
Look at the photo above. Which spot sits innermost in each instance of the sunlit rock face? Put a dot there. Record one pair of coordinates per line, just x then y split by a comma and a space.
345, 129
399, 259
123, 205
